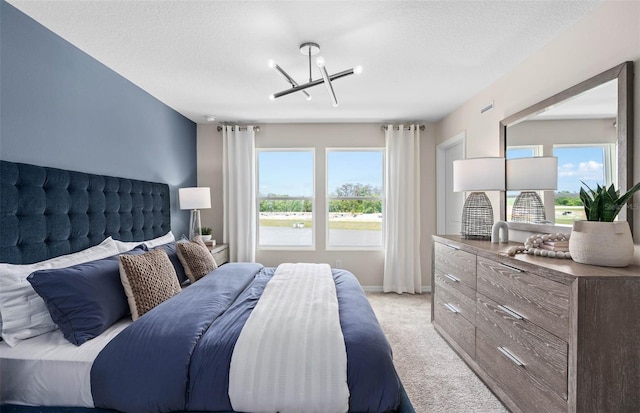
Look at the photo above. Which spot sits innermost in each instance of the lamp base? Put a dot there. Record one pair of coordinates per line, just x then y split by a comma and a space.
477, 217
528, 207
194, 224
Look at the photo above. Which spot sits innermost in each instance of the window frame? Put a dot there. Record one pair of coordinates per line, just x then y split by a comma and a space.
312, 199
329, 198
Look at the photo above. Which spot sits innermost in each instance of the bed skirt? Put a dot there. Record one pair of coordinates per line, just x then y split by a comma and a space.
405, 407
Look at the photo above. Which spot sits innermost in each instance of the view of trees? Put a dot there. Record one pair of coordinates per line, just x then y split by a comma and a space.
352, 206
284, 205
566, 198
356, 206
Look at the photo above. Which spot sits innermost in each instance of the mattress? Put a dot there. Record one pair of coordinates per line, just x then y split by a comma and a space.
49, 370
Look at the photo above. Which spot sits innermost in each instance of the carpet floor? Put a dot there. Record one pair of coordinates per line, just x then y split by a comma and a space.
435, 378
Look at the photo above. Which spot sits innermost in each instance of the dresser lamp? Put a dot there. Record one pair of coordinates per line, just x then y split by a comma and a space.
478, 175
528, 175
195, 199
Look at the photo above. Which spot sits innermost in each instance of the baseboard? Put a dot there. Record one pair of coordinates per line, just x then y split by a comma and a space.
378, 289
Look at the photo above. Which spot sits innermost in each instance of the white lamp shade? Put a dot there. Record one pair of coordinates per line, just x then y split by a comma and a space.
194, 198
478, 174
532, 174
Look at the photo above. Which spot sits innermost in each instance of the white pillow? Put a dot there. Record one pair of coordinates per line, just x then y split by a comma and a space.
125, 246
23, 312
165, 239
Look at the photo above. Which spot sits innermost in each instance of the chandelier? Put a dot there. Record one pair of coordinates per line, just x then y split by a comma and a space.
311, 49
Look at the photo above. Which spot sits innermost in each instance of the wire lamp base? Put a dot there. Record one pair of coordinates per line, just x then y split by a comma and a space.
528, 207
477, 217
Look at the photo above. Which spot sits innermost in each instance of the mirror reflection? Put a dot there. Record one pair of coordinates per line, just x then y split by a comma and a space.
581, 133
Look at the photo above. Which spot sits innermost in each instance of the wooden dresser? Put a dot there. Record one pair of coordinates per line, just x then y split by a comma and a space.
545, 334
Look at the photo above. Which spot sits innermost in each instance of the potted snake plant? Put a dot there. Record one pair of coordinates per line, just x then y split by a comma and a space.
206, 233
600, 240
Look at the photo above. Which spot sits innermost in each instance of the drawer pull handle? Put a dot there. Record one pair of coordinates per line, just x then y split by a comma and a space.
510, 267
511, 312
451, 308
511, 357
451, 246
452, 278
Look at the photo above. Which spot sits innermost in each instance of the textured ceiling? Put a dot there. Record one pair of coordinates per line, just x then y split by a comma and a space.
421, 59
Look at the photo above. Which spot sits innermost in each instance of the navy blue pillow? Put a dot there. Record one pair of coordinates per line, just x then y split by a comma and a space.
172, 252
84, 299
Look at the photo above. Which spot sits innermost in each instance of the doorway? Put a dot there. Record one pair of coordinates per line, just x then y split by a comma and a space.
449, 203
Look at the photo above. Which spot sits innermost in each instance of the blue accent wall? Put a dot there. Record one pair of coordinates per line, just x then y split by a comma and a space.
60, 107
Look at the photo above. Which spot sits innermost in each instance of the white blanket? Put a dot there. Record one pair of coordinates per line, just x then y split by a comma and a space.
291, 356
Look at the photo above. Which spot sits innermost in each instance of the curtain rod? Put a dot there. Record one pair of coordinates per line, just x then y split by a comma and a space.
385, 127
255, 128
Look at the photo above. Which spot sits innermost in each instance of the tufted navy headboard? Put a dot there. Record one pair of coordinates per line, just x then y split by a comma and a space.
47, 212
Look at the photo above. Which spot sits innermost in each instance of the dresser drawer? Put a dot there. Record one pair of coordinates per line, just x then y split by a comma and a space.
544, 355
459, 328
464, 302
517, 381
456, 263
537, 299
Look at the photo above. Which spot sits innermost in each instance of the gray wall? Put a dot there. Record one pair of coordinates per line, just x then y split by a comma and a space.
59, 107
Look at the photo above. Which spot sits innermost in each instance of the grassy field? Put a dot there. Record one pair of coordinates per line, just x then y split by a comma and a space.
333, 224
568, 214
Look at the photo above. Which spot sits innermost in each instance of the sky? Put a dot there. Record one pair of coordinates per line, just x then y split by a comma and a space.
291, 172
575, 164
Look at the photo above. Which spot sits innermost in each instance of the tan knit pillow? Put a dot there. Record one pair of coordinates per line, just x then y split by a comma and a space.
196, 259
148, 280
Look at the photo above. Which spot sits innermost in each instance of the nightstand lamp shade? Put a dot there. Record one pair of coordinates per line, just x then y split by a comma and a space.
195, 199
529, 175
478, 175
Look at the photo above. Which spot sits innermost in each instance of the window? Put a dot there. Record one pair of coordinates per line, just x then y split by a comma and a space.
285, 198
354, 198
591, 164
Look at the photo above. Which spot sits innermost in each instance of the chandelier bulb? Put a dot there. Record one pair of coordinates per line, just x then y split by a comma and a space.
271, 63
320, 61
357, 70
272, 97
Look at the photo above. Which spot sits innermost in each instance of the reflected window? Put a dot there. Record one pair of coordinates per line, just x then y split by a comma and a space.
577, 164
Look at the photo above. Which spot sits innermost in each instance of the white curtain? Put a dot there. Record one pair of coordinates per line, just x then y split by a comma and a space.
402, 211
239, 192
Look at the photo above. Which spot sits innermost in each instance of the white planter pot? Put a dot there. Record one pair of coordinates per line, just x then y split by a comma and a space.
601, 243
206, 237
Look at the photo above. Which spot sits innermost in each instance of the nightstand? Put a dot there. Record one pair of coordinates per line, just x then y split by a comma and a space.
220, 253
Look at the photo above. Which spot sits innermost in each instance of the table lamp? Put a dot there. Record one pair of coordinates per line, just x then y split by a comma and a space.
478, 175
195, 199
529, 175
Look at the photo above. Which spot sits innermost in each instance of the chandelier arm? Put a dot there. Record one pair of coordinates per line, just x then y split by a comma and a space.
312, 83
310, 78
293, 83
327, 82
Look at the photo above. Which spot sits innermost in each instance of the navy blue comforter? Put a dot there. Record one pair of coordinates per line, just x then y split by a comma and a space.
177, 356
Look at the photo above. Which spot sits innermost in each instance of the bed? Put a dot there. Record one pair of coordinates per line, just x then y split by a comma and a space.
216, 343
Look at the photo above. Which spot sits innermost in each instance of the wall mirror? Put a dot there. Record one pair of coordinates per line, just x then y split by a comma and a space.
589, 129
